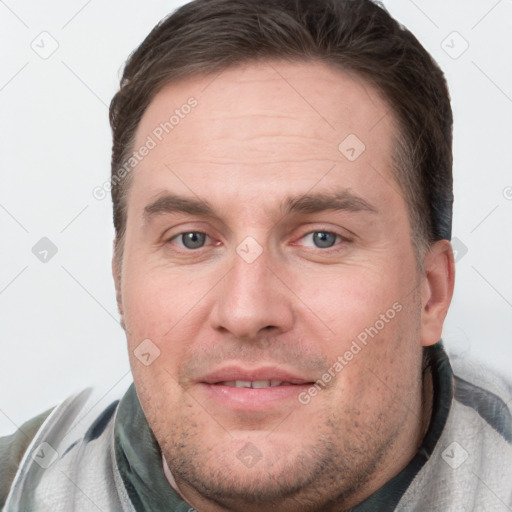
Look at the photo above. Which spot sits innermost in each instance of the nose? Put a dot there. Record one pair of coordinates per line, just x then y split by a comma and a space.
253, 300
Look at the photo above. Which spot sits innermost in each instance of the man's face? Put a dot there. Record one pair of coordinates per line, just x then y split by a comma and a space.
294, 267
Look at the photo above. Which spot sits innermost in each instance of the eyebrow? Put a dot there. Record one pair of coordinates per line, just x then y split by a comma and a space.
171, 203
342, 200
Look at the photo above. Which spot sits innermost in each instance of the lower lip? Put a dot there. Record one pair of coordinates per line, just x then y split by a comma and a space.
253, 399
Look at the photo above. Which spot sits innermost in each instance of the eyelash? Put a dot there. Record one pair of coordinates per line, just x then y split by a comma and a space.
340, 239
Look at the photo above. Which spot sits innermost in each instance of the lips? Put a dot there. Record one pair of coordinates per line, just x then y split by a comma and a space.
236, 376
263, 390
257, 384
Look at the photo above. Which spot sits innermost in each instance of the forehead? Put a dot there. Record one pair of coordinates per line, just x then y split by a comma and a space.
260, 123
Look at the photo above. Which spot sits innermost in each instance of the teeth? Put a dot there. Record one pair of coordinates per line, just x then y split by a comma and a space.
256, 384
242, 384
265, 383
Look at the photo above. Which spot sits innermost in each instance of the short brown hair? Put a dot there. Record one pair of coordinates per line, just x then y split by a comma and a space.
357, 36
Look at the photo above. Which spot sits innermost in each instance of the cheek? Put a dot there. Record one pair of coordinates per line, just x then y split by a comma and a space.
369, 316
348, 299
155, 300
167, 308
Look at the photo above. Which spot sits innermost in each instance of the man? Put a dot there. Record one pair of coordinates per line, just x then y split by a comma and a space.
281, 180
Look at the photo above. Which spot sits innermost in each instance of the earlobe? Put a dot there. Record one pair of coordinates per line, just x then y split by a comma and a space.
437, 290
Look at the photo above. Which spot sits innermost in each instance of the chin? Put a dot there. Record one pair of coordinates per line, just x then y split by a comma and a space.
256, 469
270, 476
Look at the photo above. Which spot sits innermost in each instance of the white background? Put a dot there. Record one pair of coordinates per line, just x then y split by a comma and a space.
59, 323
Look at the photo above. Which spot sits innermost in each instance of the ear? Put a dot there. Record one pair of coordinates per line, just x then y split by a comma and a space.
436, 290
116, 274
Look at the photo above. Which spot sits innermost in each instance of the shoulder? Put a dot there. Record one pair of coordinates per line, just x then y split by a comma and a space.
474, 452
486, 392
73, 436
12, 449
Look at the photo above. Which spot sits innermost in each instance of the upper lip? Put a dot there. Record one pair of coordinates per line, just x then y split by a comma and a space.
234, 373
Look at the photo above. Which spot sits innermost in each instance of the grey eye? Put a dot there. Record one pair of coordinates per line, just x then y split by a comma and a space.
323, 239
193, 240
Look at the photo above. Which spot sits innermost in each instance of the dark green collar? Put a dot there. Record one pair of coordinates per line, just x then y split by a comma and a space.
140, 461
